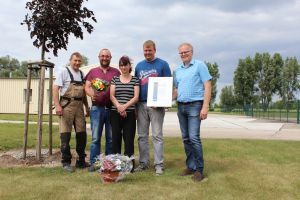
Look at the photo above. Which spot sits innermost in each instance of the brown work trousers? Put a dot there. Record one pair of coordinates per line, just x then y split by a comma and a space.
73, 113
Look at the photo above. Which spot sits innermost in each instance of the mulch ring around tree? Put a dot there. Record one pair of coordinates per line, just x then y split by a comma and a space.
14, 158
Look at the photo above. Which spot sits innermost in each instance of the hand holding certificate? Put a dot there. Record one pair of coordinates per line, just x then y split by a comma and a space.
160, 92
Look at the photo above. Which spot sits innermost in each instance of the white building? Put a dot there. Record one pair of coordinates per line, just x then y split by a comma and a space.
13, 94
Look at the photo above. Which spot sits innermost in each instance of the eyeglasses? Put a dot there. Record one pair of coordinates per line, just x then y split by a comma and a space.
184, 52
104, 56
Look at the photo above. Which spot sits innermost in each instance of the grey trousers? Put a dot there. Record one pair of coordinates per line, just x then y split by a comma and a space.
155, 116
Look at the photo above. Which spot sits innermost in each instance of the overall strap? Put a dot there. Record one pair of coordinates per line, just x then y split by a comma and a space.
72, 77
81, 74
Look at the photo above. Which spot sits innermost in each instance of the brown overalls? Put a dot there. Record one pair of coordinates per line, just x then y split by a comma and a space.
73, 115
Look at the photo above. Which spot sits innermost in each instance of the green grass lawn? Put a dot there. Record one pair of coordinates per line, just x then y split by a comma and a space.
236, 169
32, 117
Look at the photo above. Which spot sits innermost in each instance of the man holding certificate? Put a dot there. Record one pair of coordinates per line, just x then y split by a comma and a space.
150, 67
192, 83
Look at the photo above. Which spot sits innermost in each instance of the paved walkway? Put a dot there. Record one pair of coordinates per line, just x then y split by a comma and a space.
227, 126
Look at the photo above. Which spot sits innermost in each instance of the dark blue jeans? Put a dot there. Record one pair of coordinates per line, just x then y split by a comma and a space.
100, 116
189, 120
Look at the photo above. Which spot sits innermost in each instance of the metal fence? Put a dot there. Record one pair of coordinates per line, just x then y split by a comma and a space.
290, 113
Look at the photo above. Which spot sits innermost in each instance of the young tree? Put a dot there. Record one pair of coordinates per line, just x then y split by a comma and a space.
245, 77
227, 98
268, 71
50, 24
290, 82
52, 21
214, 71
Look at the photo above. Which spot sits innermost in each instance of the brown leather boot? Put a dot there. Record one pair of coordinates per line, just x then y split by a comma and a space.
197, 177
186, 172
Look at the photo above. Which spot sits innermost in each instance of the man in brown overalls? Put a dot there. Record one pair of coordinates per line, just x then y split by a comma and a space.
69, 107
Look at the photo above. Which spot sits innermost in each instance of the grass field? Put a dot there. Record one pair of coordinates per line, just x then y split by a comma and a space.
236, 169
32, 117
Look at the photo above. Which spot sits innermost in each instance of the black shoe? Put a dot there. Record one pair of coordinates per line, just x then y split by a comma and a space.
81, 164
68, 168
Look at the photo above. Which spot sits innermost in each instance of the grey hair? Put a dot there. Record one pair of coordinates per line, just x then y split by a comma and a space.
186, 44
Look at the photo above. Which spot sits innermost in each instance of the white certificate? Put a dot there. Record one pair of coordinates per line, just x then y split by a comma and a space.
160, 92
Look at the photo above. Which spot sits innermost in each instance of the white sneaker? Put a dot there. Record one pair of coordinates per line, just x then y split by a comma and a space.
140, 168
159, 171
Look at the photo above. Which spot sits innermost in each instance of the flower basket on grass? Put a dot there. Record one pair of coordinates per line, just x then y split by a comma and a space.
109, 176
113, 168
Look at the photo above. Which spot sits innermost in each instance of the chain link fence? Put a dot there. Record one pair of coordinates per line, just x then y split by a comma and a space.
288, 113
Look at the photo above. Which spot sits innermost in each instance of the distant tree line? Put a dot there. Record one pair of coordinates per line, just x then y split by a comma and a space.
258, 79
13, 68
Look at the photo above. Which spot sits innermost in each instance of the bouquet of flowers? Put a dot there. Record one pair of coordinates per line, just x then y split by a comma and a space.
100, 85
112, 168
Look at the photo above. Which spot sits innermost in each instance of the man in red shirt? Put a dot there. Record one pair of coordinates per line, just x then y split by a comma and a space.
101, 104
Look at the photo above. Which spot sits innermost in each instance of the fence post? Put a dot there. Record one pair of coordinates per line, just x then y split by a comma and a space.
27, 111
298, 111
280, 114
287, 114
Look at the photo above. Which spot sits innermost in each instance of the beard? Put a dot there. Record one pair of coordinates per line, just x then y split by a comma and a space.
104, 63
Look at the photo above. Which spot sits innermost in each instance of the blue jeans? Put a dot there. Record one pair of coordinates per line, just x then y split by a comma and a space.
100, 116
189, 120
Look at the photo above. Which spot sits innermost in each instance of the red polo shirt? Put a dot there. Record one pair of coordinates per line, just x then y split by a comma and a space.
102, 98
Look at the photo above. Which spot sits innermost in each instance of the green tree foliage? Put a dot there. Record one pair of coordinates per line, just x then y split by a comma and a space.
245, 77
85, 60
227, 98
280, 104
214, 72
51, 22
7, 66
12, 68
263, 77
6, 62
268, 79
289, 82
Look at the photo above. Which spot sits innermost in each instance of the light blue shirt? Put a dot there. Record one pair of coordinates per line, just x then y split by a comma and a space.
189, 81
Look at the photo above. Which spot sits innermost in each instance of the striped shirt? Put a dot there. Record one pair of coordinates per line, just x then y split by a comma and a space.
124, 92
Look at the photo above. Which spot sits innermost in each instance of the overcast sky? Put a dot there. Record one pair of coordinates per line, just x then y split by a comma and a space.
220, 31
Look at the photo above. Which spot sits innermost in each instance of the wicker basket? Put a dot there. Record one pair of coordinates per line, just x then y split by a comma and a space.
109, 176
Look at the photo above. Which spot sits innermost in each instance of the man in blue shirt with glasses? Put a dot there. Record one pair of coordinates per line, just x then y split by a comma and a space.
192, 83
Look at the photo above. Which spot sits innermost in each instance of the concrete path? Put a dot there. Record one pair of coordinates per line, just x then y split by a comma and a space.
227, 126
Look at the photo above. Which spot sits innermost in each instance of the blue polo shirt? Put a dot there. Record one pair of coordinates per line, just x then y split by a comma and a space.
189, 81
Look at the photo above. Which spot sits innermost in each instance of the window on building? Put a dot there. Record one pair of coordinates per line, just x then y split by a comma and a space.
24, 95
